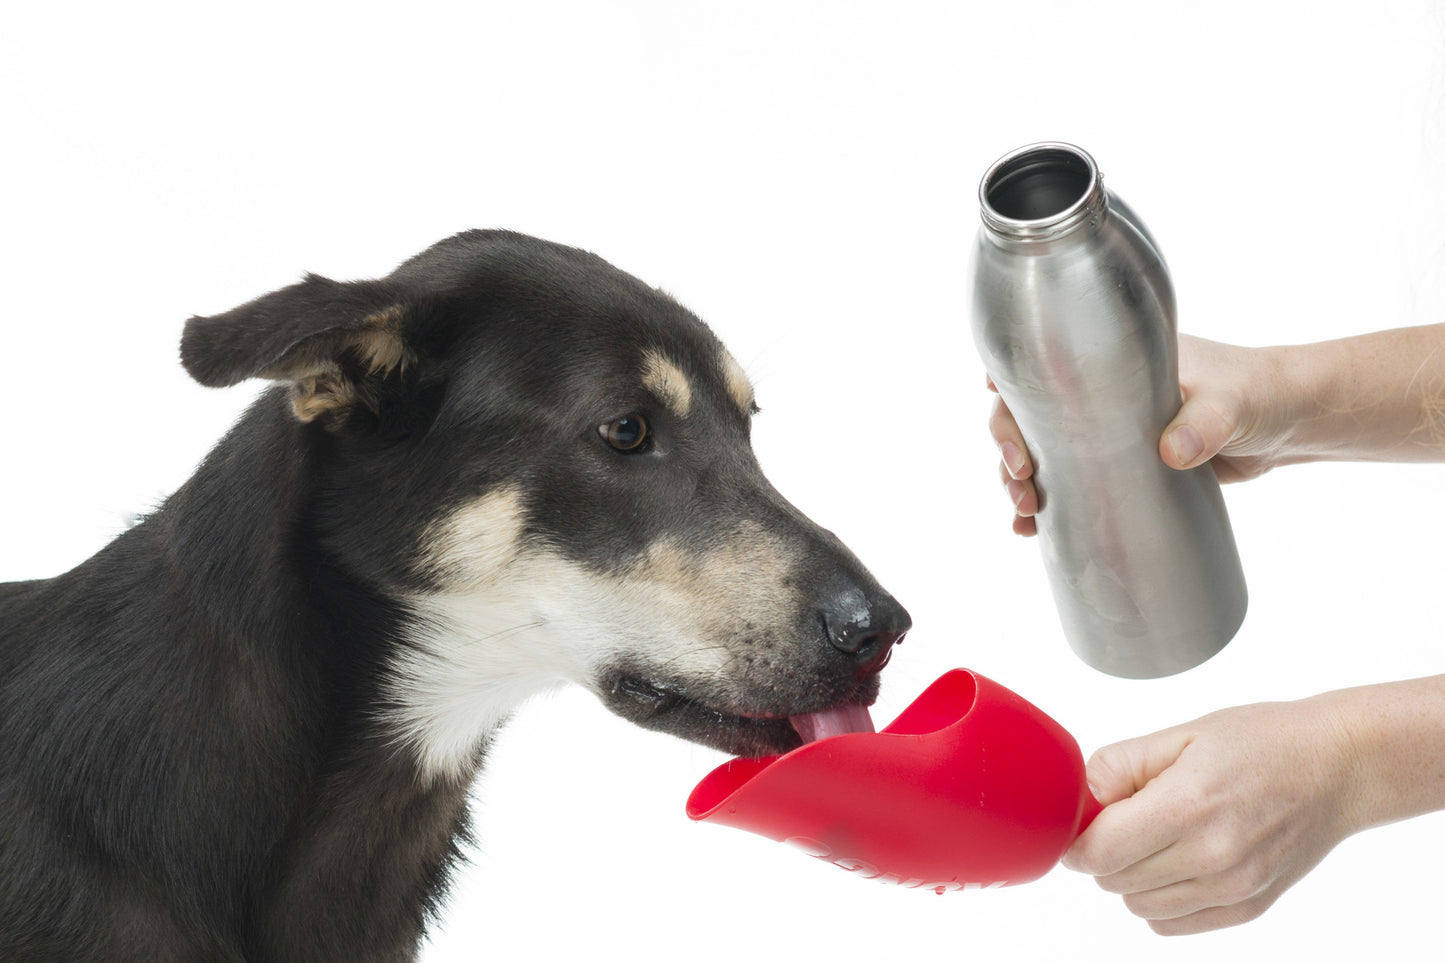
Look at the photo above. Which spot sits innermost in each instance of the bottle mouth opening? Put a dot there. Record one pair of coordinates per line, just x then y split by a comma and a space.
1039, 190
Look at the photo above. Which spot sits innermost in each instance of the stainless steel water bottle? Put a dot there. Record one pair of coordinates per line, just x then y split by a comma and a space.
1074, 317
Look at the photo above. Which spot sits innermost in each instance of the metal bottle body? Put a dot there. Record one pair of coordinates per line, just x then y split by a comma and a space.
1074, 318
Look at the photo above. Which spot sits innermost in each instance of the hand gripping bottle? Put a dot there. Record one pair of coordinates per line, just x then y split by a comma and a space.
1074, 317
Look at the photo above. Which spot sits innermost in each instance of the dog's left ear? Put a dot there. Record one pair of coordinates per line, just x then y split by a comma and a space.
332, 341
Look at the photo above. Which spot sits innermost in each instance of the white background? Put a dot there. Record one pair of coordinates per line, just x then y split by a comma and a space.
803, 176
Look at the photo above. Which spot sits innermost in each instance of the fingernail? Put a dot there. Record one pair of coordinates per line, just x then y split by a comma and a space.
1186, 444
1013, 458
1016, 492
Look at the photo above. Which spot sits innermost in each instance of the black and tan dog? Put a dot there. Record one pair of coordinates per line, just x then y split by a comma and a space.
246, 728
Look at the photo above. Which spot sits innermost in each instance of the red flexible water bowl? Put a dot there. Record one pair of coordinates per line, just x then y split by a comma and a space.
971, 787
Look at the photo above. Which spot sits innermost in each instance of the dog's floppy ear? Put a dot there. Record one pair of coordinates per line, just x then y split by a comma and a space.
328, 339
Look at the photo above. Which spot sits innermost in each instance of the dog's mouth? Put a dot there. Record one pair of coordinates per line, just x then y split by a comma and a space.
740, 730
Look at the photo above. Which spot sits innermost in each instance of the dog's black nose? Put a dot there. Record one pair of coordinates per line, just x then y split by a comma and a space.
868, 630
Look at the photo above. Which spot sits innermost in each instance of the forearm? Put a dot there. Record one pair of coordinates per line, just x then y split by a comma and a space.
1393, 738
1374, 397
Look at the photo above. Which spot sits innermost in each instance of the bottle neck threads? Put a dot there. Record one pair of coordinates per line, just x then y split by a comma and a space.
1040, 191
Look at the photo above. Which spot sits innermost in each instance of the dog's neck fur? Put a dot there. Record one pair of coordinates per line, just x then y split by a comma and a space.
260, 760
344, 842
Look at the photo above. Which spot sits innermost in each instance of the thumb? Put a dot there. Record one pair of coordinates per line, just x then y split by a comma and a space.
1130, 828
1119, 771
1203, 426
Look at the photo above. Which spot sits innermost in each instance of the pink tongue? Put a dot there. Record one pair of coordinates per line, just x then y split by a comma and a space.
852, 717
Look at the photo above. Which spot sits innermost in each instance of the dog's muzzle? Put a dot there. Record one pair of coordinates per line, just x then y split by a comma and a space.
789, 673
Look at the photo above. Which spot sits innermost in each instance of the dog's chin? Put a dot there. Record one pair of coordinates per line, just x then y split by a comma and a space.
741, 731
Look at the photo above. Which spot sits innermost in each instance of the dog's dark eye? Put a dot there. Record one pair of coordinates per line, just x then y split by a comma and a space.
626, 434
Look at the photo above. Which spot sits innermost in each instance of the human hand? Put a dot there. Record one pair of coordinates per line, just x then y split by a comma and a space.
1232, 414
1205, 825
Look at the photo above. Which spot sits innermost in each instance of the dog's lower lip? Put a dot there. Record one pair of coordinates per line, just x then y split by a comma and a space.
764, 720
664, 696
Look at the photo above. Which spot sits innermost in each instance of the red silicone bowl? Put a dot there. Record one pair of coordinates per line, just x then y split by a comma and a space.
971, 787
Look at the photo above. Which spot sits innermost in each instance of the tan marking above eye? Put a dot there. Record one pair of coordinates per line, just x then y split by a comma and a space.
667, 381
736, 379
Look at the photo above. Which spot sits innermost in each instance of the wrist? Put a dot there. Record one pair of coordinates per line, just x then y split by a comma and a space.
1278, 399
1337, 718
1387, 749
1308, 405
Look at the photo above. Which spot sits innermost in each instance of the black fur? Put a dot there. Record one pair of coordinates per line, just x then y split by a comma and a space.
194, 762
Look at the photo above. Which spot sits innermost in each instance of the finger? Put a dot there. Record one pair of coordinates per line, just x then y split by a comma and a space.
1012, 448
1191, 907
1141, 814
1170, 902
1025, 500
1119, 771
1021, 492
1213, 918
1192, 896
1198, 432
1016, 459
1126, 834
1016, 467
1156, 880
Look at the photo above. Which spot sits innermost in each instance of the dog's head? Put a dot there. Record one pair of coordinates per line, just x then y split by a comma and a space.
546, 464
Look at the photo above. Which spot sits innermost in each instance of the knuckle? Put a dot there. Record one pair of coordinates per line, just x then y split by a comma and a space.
1250, 879
1231, 890
1251, 910
1218, 856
